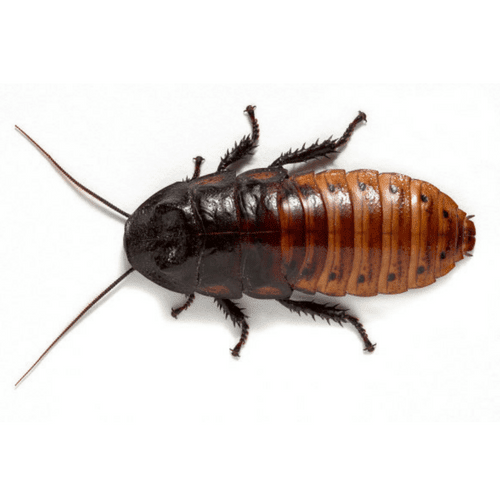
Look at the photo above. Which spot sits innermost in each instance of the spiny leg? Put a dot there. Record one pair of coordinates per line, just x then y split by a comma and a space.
327, 312
238, 318
246, 145
177, 310
318, 150
197, 166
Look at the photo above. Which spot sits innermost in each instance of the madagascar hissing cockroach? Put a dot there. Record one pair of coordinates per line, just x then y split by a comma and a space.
267, 232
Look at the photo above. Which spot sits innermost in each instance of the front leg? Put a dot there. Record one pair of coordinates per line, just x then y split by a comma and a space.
177, 310
197, 167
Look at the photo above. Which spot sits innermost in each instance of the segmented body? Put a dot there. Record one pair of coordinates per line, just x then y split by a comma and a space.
366, 233
265, 233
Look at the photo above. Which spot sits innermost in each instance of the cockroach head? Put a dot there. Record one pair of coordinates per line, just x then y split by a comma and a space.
160, 239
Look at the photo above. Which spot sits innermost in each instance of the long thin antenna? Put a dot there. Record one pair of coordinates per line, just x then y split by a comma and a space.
93, 303
72, 179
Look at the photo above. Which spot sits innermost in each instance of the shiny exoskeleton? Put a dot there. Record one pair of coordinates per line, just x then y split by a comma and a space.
267, 232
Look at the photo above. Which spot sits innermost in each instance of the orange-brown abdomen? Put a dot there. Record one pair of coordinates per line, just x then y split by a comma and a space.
365, 233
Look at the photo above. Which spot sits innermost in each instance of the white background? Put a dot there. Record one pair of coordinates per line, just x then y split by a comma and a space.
135, 404
129, 361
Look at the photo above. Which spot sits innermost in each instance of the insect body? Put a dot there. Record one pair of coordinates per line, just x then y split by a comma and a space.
267, 232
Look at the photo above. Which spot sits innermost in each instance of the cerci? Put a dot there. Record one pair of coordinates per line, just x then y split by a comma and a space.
268, 232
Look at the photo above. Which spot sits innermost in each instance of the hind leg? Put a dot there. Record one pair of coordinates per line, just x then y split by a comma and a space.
318, 150
328, 313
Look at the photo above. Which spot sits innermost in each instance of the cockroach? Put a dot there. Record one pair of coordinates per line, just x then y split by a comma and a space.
267, 232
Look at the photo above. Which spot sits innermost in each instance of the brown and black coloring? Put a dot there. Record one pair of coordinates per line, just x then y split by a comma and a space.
267, 232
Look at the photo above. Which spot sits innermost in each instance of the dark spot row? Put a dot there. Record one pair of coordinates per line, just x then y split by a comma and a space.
423, 197
390, 276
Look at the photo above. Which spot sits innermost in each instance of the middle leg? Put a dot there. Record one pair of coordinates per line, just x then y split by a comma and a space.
246, 145
238, 318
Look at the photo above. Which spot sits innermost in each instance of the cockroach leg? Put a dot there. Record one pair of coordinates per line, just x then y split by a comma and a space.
197, 166
318, 150
176, 311
245, 146
237, 316
328, 313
